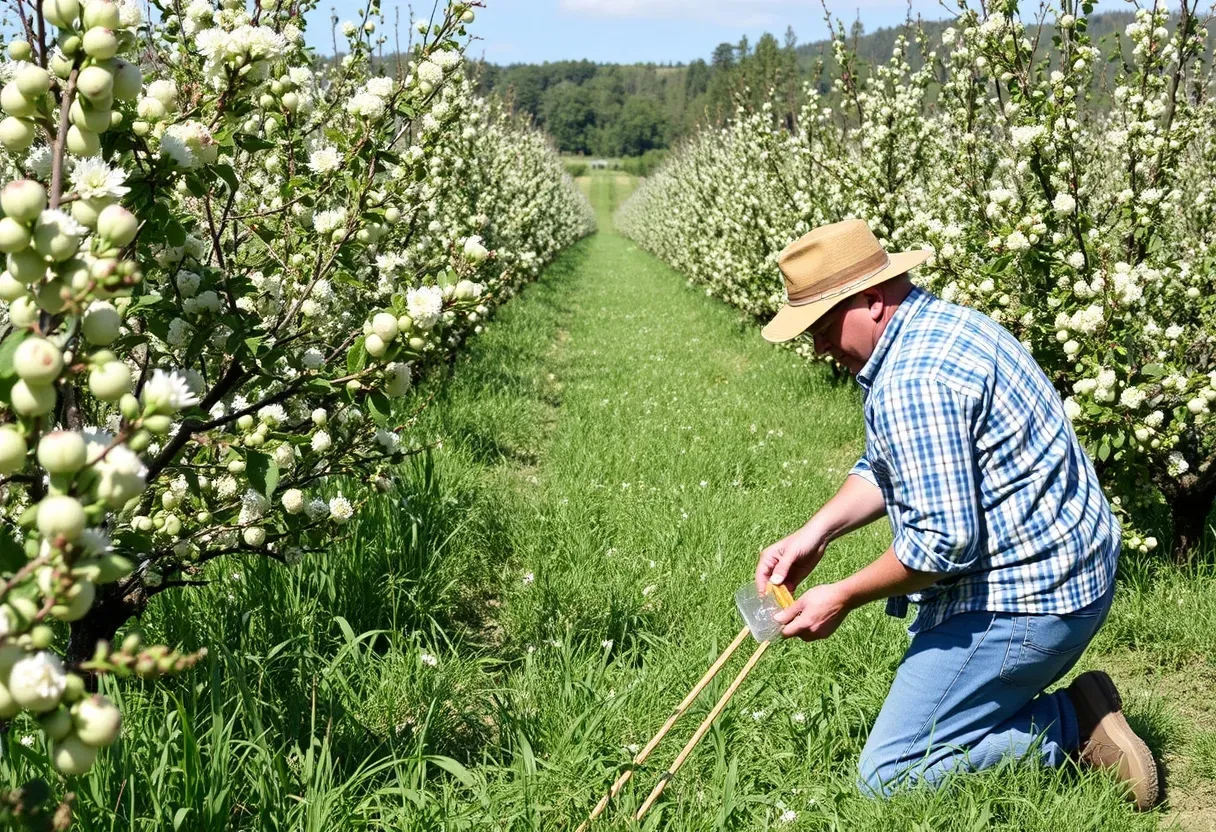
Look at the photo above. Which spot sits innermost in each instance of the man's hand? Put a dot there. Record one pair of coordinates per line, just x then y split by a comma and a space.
821, 608
791, 559
816, 614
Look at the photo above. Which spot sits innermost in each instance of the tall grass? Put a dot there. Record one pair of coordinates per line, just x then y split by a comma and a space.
485, 644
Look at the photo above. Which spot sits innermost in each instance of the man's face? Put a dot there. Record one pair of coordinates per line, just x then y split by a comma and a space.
846, 331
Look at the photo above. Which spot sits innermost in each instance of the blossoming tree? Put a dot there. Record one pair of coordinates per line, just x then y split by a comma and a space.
1054, 212
224, 264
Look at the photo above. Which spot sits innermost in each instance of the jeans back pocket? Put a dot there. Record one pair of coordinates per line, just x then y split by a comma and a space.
1042, 648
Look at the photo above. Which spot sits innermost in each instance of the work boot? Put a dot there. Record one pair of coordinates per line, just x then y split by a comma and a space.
1107, 741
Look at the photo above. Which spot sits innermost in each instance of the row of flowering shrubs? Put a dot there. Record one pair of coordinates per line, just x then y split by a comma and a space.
223, 264
1075, 212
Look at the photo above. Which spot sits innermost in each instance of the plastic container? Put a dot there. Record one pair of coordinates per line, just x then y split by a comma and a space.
758, 610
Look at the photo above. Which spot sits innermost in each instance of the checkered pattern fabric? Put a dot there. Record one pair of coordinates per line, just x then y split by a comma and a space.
984, 479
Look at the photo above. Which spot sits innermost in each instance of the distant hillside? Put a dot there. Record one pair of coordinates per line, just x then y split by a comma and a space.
629, 109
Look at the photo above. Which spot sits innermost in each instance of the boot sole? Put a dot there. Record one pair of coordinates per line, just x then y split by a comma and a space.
1141, 767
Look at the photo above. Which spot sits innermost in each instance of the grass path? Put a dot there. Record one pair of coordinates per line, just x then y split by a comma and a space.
623, 447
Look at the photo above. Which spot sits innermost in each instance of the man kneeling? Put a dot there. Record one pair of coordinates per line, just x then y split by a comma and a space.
1003, 537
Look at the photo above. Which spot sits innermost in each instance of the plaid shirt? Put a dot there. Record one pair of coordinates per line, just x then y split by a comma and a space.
983, 477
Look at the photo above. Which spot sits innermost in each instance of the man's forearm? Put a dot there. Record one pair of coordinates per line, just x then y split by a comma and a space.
858, 503
884, 578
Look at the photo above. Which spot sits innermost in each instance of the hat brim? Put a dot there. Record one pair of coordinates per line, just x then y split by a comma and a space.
792, 321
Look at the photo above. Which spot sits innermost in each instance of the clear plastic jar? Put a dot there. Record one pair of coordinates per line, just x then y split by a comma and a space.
758, 611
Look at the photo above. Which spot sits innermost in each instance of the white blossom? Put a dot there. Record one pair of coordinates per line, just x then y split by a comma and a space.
340, 509
92, 178
324, 160
425, 305
168, 391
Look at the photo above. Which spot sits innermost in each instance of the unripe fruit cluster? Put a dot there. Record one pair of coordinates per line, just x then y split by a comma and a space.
101, 79
38, 364
279, 95
78, 725
382, 330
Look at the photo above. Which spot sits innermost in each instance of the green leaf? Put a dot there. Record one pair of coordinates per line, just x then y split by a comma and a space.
150, 299
356, 357
195, 186
8, 349
180, 816
1104, 451
263, 472
347, 631
175, 233
455, 769
12, 553
264, 233
381, 407
252, 143
132, 544
1154, 370
226, 173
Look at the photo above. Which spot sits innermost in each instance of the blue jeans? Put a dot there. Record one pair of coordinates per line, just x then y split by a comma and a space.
969, 693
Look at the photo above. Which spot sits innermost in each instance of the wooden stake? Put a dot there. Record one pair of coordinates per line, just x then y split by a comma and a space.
671, 720
703, 728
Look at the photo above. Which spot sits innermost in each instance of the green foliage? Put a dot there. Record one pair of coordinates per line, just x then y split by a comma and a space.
645, 164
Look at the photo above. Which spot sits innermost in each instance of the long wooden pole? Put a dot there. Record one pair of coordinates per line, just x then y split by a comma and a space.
671, 720
702, 729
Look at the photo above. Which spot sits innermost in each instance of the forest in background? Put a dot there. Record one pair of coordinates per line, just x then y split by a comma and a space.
616, 110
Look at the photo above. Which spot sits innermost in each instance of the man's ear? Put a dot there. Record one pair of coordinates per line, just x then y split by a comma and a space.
875, 302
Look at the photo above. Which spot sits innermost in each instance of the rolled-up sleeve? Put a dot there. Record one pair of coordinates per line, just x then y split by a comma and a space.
924, 430
862, 469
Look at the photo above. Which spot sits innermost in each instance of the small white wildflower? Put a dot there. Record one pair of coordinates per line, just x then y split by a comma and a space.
324, 160
340, 509
168, 392
92, 178
1064, 203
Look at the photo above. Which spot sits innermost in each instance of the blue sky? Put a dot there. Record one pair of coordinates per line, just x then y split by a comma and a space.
625, 31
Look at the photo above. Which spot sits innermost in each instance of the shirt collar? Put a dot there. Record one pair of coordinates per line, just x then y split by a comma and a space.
908, 307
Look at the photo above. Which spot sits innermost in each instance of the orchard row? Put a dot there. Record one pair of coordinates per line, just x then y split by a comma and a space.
1078, 216
224, 265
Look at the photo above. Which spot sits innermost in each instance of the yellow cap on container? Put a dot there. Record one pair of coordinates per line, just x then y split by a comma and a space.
783, 596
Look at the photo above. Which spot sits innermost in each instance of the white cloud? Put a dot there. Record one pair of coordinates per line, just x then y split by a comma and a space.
722, 12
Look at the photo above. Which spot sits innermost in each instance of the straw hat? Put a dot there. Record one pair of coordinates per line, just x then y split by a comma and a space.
826, 265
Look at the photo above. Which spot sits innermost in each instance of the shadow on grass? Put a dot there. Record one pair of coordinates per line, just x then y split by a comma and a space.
1154, 726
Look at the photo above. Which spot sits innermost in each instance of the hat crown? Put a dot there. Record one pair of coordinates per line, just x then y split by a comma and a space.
828, 260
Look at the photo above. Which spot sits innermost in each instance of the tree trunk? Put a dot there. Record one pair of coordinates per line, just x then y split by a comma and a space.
1190, 503
110, 610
